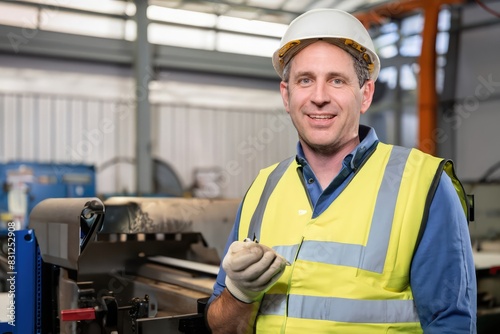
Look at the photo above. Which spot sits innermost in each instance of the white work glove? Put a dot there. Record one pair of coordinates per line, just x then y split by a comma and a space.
251, 269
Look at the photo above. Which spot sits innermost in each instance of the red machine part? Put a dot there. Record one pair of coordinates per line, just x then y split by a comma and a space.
78, 314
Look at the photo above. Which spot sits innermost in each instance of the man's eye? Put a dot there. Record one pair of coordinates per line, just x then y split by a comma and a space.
304, 81
338, 82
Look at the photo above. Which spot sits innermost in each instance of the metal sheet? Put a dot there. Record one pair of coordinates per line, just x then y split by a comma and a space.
201, 267
57, 224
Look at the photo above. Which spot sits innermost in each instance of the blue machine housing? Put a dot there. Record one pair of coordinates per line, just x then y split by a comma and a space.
47, 180
24, 280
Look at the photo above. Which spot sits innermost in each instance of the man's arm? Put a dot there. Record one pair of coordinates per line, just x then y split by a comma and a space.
443, 274
227, 315
247, 271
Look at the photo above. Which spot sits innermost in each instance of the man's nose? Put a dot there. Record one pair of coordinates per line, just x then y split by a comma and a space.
320, 95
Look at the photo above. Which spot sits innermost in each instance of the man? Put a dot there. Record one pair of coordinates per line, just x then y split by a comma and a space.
352, 235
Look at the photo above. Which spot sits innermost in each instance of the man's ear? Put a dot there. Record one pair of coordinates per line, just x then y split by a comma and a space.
368, 90
285, 95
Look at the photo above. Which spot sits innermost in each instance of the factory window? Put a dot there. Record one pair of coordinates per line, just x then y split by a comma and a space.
408, 77
18, 15
51, 17
412, 25
251, 26
251, 45
184, 17
107, 7
388, 51
181, 36
389, 76
211, 32
88, 25
399, 45
386, 44
411, 46
442, 42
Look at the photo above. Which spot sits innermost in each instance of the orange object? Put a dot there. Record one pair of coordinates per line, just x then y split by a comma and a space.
427, 105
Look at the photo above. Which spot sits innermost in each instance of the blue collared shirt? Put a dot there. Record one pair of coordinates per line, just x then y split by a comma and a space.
442, 273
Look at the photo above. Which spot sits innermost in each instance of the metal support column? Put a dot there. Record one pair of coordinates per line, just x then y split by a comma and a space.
143, 75
427, 88
398, 98
446, 109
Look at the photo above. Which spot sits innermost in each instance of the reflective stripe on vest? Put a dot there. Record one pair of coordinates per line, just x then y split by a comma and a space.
272, 181
374, 253
346, 310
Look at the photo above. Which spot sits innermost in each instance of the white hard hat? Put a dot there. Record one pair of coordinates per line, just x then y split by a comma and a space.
333, 26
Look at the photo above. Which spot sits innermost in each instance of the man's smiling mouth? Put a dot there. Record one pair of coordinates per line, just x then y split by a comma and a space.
321, 116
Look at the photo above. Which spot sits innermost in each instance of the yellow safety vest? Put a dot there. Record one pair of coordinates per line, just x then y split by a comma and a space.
350, 265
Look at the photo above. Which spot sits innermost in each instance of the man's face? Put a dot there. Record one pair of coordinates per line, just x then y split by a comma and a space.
324, 99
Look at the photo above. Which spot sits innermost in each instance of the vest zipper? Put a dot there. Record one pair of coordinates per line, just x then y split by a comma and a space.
283, 327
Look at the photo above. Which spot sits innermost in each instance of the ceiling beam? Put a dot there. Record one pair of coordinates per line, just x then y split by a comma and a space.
40, 43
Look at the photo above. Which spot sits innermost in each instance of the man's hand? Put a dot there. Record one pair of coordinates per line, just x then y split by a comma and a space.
251, 269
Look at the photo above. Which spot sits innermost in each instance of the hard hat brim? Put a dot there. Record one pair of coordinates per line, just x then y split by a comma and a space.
283, 55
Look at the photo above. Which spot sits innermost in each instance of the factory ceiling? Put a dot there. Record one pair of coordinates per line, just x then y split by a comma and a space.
277, 11
250, 28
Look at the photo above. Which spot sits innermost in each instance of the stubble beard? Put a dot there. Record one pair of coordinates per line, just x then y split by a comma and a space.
322, 150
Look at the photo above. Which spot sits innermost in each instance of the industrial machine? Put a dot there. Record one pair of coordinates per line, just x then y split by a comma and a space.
125, 265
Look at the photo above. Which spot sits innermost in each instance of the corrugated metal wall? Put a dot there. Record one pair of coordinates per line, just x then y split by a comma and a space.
56, 128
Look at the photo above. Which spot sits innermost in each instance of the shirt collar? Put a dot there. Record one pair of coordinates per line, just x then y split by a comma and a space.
368, 139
